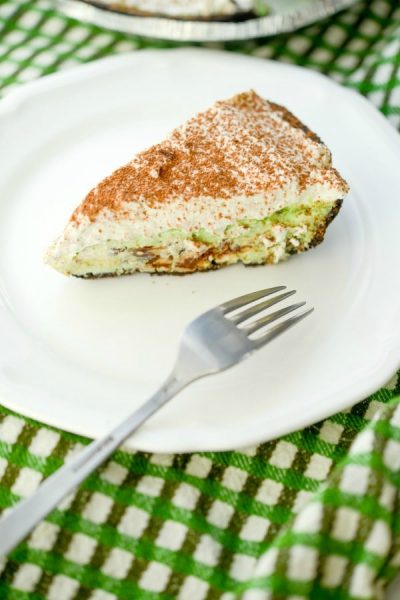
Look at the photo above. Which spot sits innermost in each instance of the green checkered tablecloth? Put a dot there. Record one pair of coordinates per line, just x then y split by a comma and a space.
313, 515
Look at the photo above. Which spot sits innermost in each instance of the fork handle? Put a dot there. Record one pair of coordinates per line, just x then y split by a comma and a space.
18, 523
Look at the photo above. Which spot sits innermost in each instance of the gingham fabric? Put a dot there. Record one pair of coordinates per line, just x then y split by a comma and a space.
313, 515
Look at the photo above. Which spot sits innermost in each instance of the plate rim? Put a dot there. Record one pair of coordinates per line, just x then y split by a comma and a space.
389, 362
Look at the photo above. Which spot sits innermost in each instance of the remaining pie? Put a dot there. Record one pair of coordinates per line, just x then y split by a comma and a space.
190, 9
243, 181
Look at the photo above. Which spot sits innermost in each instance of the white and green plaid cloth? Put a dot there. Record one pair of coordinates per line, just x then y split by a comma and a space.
313, 515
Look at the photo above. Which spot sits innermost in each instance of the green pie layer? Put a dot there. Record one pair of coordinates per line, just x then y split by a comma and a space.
250, 241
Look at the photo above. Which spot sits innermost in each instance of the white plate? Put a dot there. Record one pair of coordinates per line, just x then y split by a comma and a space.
82, 354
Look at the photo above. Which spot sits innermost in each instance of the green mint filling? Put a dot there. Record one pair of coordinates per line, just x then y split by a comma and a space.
248, 238
308, 217
206, 237
241, 232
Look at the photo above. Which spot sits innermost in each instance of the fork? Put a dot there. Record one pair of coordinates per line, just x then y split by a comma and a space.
213, 342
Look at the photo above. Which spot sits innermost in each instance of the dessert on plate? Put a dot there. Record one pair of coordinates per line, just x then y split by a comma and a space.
190, 9
244, 181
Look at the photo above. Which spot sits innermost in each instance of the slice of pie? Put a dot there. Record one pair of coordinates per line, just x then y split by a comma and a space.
244, 181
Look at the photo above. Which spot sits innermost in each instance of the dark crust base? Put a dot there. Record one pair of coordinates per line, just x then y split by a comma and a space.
317, 239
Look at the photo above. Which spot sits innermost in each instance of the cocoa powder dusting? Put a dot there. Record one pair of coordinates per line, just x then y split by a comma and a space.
242, 146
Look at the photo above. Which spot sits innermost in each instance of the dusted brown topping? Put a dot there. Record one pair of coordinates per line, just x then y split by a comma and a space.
239, 147
294, 121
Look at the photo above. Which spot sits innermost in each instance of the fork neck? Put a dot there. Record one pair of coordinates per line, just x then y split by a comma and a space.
171, 386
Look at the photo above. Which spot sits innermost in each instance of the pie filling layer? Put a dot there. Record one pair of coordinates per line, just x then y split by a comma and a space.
254, 241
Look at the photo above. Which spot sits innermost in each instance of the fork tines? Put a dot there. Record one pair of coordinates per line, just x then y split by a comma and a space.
242, 314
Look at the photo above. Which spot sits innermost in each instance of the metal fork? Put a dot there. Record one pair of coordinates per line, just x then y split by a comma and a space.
213, 342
